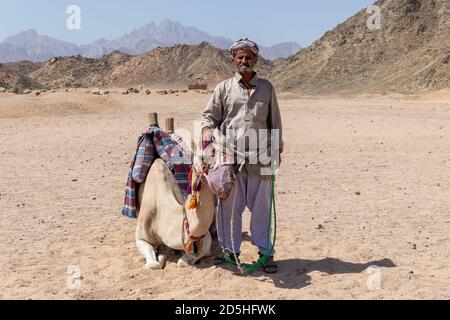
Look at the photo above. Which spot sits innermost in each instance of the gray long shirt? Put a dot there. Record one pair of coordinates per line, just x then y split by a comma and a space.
233, 108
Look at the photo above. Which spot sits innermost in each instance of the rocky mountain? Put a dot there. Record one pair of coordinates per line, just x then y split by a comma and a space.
151, 36
178, 65
28, 45
409, 53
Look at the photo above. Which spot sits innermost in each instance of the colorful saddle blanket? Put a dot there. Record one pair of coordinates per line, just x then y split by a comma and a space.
153, 144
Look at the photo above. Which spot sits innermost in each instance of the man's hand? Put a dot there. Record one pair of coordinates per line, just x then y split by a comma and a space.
206, 133
207, 147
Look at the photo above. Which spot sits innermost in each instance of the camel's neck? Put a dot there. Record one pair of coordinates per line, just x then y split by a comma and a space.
201, 218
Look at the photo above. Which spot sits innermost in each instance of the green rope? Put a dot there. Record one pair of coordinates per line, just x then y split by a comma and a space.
251, 268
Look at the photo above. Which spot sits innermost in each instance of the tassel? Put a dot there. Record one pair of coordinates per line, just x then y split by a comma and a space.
188, 247
200, 245
193, 203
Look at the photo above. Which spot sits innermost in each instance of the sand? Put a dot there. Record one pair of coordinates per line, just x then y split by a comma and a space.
364, 181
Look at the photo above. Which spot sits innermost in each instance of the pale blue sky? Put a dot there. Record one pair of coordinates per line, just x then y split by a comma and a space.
267, 22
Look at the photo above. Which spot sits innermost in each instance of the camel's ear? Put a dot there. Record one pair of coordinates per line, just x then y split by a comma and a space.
196, 157
194, 146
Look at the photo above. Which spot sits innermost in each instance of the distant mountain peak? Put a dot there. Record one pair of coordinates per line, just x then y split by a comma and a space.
29, 45
25, 35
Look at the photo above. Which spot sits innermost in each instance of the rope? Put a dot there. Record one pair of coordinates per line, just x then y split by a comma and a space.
245, 268
232, 233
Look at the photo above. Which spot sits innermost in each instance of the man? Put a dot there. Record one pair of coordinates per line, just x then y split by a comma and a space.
238, 105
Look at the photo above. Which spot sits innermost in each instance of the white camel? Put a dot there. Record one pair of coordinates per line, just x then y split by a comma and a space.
160, 217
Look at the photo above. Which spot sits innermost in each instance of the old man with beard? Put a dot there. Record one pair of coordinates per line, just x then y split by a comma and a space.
240, 104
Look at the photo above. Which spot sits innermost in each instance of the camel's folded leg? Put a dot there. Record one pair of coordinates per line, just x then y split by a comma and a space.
163, 253
149, 254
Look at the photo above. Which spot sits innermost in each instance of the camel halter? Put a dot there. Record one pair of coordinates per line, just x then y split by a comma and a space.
189, 246
192, 240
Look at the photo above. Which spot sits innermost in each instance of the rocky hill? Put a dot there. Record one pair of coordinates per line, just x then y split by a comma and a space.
177, 65
409, 53
181, 64
14, 78
78, 71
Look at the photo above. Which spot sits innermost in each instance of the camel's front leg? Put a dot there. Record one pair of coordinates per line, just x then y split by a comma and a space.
149, 254
187, 260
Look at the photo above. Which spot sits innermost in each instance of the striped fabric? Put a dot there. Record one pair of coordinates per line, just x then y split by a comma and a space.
153, 144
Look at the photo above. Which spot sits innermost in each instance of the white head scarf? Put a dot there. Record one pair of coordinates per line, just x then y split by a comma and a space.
244, 44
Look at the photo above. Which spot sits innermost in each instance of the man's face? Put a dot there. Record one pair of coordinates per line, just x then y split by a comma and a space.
245, 61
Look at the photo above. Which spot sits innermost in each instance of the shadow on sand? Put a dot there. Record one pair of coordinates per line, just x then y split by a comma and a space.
293, 273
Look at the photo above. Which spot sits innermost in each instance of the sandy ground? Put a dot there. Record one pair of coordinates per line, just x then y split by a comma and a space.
374, 173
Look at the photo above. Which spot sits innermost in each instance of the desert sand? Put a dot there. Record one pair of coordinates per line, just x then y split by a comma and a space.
364, 181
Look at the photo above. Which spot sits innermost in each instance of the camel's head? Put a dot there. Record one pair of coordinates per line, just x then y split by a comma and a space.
200, 204
213, 167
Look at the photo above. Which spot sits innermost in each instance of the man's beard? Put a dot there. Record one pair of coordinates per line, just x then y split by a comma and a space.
245, 68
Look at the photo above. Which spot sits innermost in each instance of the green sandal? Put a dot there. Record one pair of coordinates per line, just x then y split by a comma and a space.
226, 257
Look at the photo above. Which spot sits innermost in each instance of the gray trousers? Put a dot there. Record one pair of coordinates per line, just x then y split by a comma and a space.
254, 193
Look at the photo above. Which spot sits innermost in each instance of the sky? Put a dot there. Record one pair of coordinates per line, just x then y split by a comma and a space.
267, 22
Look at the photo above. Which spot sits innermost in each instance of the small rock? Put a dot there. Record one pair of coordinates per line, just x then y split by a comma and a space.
358, 193
320, 227
147, 92
74, 180
106, 92
26, 91
2, 89
133, 90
